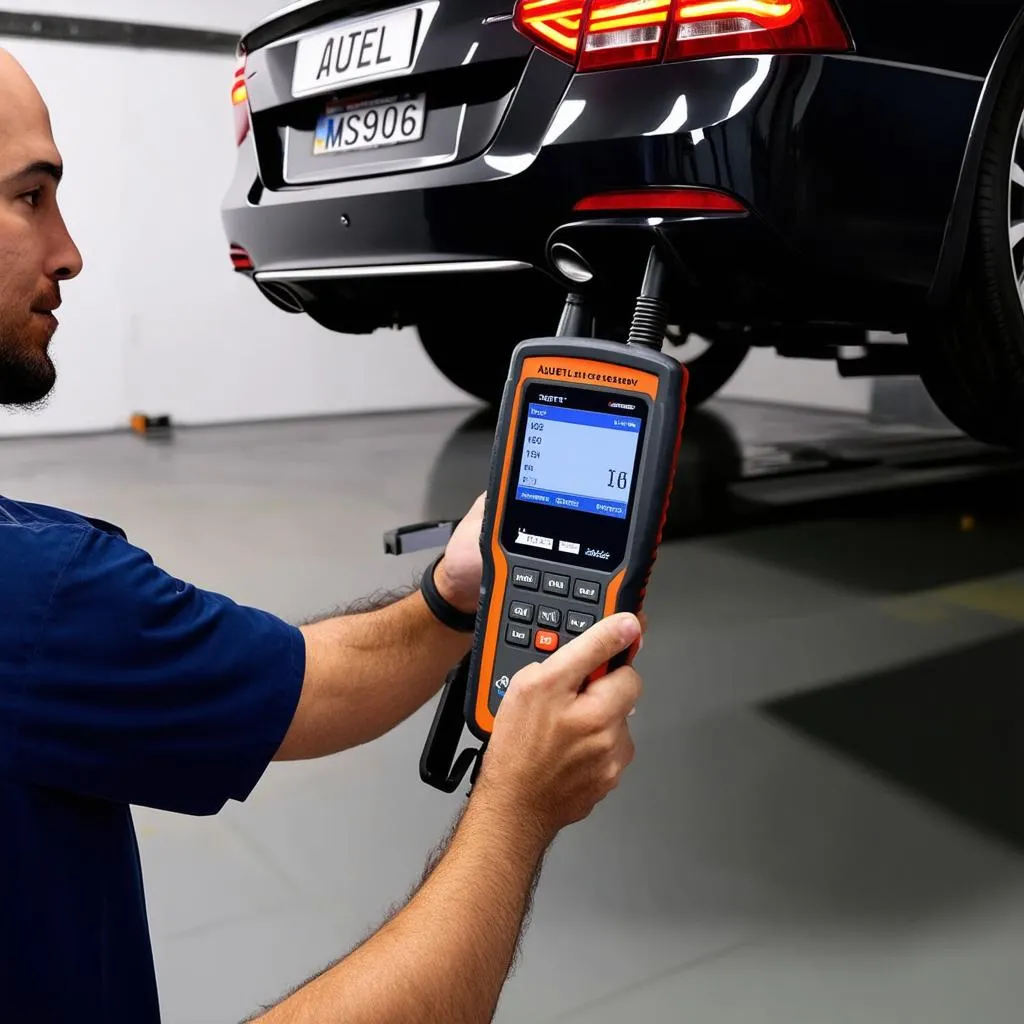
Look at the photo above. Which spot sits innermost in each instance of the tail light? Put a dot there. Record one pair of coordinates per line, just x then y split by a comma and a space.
554, 25
597, 34
241, 260
706, 29
632, 32
240, 102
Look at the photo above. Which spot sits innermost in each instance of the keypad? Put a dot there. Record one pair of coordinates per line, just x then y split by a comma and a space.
555, 621
551, 618
543, 612
546, 641
578, 622
554, 584
518, 636
520, 611
525, 579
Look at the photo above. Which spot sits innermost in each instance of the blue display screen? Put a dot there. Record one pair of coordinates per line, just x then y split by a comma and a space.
579, 460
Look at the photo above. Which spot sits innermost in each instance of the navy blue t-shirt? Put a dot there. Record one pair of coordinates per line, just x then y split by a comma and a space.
119, 685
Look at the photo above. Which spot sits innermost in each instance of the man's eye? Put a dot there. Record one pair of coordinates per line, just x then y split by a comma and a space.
33, 197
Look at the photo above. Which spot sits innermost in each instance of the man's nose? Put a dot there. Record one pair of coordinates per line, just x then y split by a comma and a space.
66, 262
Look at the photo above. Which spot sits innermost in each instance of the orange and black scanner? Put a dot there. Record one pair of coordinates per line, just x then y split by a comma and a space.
581, 475
584, 460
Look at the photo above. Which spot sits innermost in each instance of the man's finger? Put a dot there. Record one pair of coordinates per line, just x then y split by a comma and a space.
615, 694
572, 664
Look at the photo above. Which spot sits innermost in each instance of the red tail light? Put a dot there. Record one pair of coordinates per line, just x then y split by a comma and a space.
686, 198
240, 259
597, 34
706, 28
554, 25
240, 102
624, 32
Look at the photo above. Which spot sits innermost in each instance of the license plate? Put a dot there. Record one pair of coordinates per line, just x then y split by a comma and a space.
355, 50
368, 125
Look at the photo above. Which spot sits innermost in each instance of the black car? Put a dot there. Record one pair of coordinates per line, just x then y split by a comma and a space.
814, 169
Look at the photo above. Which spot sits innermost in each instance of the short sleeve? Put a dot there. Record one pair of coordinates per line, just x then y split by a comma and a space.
146, 690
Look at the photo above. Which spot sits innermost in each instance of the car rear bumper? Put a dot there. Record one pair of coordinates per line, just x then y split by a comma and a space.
848, 168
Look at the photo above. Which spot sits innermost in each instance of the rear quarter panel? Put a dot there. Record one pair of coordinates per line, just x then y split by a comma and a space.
960, 36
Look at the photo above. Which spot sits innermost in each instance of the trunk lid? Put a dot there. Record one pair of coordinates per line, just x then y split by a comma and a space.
343, 89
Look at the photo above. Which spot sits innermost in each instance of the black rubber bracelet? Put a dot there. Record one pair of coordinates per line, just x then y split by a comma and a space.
444, 611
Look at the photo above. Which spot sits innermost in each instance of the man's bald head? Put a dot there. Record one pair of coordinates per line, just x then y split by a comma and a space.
36, 251
21, 100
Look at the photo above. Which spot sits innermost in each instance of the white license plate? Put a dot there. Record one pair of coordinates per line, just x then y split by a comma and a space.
368, 125
355, 50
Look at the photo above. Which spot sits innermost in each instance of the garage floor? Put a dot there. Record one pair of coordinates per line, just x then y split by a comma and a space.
825, 819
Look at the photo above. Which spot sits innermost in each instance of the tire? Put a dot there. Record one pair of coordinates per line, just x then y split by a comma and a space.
474, 351
726, 350
972, 355
715, 366
454, 345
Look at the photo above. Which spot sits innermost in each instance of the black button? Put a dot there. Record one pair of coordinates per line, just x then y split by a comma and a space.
587, 591
525, 579
578, 622
518, 636
549, 617
556, 584
520, 611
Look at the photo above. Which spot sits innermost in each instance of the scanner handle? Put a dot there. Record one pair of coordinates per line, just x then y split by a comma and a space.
439, 766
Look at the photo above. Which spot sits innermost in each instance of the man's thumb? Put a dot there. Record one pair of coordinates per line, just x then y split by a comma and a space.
572, 664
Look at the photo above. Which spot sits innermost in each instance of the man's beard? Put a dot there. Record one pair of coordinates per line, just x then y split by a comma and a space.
27, 374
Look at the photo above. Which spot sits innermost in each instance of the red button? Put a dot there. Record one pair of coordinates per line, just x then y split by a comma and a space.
546, 640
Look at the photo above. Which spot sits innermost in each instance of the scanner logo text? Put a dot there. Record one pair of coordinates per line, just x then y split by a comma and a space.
599, 378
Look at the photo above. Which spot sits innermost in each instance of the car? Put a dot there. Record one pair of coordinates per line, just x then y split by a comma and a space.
813, 171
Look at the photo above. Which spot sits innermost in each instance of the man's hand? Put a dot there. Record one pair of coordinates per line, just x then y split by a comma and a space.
459, 574
556, 750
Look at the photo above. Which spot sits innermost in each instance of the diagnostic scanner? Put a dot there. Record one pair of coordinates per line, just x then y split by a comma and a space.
581, 476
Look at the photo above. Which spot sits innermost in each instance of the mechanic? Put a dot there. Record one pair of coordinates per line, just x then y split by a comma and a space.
120, 685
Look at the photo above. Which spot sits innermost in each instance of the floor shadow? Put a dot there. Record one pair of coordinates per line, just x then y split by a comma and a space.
950, 729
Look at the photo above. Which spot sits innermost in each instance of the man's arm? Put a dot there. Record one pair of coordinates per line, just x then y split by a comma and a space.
554, 754
445, 957
368, 672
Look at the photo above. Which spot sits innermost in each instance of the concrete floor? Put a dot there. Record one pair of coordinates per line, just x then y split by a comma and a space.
824, 822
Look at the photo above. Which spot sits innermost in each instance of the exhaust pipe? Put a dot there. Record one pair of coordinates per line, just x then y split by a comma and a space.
282, 295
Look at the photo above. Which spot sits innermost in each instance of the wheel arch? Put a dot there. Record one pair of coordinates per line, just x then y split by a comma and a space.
958, 225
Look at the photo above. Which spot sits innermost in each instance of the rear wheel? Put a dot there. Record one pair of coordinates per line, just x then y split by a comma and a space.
712, 359
973, 354
470, 336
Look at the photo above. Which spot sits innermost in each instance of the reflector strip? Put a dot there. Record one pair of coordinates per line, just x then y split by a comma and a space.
240, 259
701, 200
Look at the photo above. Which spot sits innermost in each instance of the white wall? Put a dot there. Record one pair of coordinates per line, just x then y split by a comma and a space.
222, 15
159, 322
765, 377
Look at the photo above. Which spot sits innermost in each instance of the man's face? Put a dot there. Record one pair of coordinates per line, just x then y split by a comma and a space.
36, 251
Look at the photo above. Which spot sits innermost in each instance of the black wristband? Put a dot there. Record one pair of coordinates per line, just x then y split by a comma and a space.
444, 611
